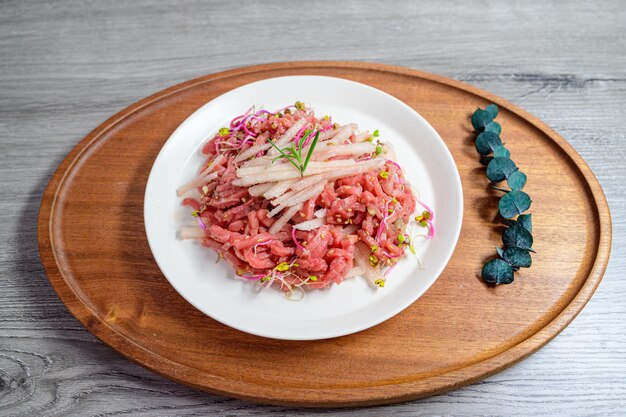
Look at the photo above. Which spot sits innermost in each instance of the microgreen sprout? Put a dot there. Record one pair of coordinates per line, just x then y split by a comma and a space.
372, 136
412, 248
423, 218
287, 279
282, 267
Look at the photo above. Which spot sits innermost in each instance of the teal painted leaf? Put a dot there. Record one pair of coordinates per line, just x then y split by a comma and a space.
523, 220
480, 119
486, 142
501, 151
500, 168
516, 257
509, 222
517, 180
516, 236
497, 272
526, 221
485, 159
500, 251
494, 127
513, 203
493, 110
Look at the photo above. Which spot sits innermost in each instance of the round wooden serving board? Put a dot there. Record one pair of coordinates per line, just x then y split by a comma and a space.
94, 249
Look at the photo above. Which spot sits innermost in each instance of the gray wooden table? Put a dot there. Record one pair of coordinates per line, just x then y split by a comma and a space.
65, 66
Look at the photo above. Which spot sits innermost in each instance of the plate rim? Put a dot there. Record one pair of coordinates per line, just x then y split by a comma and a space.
449, 251
357, 397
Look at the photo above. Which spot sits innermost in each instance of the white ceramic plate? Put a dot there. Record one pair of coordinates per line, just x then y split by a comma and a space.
342, 309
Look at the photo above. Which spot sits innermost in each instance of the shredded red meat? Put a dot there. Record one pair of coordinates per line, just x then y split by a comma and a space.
237, 225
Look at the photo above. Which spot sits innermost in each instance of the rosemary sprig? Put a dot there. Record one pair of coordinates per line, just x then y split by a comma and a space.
293, 153
308, 156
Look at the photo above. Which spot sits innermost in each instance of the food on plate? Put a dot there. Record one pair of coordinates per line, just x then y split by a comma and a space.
297, 201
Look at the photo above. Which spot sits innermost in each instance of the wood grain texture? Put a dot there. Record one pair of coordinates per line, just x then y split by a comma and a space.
457, 333
66, 66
